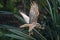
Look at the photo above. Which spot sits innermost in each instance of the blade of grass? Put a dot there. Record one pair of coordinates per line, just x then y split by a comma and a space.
59, 1
16, 31
5, 12
50, 10
58, 7
19, 18
6, 26
53, 20
55, 16
41, 36
15, 36
55, 10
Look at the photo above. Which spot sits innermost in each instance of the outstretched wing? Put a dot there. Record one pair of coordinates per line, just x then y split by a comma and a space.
33, 12
26, 18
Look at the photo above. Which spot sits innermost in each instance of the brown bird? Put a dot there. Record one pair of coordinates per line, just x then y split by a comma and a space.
32, 19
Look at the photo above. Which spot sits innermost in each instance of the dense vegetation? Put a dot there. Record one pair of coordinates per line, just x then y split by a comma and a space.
49, 18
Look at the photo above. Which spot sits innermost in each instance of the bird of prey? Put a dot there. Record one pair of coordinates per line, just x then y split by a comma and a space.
32, 19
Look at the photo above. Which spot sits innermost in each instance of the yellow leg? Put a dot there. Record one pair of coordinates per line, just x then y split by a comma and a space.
30, 26
25, 25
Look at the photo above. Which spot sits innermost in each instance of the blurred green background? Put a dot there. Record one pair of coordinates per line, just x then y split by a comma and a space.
10, 18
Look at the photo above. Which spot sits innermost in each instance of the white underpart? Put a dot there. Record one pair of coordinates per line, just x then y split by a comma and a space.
26, 18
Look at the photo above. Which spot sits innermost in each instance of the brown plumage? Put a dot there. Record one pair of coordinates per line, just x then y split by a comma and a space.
33, 15
33, 12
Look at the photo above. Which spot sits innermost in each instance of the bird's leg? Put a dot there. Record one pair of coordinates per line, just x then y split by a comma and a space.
25, 25
31, 27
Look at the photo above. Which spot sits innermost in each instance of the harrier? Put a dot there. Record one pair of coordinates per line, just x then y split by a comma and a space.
32, 19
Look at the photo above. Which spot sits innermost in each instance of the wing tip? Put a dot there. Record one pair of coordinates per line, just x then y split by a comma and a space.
26, 18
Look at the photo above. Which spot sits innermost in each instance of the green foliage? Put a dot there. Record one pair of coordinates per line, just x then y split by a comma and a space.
52, 21
1, 6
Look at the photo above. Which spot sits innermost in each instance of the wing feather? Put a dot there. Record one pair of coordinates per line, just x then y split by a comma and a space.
26, 18
33, 12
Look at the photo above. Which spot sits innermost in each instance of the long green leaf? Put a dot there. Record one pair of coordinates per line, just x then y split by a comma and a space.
15, 36
41, 36
16, 31
50, 10
19, 18
5, 12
